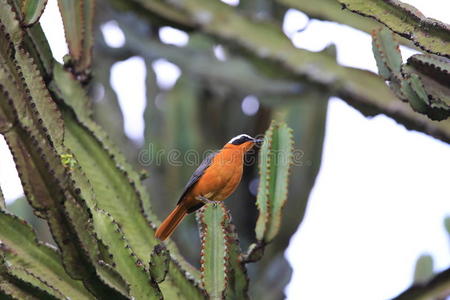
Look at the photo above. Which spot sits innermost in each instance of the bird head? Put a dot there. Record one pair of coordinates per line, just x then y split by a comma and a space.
244, 142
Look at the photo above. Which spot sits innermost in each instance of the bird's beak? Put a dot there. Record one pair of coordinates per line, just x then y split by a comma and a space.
258, 141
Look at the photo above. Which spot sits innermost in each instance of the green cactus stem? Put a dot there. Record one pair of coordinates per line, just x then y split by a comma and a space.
214, 254
387, 54
159, 263
78, 18
21, 250
274, 165
424, 269
32, 11
131, 268
429, 34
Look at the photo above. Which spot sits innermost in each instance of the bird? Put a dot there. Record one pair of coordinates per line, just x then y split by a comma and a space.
215, 179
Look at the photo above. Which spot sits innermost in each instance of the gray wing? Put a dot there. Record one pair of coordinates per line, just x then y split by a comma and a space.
198, 173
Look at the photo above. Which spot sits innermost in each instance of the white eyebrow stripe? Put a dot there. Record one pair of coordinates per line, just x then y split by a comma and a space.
238, 137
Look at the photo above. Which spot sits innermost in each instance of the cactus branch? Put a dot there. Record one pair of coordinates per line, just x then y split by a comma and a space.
215, 252
265, 42
275, 162
32, 11
429, 34
436, 288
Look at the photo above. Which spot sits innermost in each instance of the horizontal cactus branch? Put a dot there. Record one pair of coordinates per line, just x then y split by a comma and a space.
361, 89
429, 34
331, 10
435, 288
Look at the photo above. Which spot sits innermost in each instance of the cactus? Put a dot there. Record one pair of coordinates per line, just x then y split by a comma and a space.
275, 159
429, 34
424, 269
423, 80
95, 204
387, 54
32, 11
78, 18
159, 263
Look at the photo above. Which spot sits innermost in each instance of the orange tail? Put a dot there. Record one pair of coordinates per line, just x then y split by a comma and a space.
171, 222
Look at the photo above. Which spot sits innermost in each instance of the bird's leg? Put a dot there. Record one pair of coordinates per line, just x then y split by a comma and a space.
205, 200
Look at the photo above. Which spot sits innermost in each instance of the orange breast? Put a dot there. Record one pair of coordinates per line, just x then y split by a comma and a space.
222, 177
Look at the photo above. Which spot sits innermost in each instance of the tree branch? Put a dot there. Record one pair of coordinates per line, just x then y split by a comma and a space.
437, 288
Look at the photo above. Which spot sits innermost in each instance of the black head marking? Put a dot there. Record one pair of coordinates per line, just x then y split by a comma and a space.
240, 139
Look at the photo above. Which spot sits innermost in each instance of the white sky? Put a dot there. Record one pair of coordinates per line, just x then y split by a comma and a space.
380, 198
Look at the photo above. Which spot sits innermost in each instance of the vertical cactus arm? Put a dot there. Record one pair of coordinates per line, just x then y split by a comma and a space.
424, 269
88, 34
431, 35
36, 42
21, 250
437, 287
181, 284
430, 86
38, 140
214, 255
387, 54
97, 163
417, 103
262, 202
238, 280
79, 215
159, 263
10, 20
71, 92
72, 16
43, 183
435, 73
44, 194
49, 115
32, 11
78, 19
137, 228
131, 268
275, 163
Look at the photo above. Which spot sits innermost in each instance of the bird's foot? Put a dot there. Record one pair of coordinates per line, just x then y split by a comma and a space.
206, 200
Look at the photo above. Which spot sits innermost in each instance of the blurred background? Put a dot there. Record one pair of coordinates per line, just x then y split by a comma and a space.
374, 209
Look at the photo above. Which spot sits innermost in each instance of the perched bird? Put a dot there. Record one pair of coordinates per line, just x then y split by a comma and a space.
215, 179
